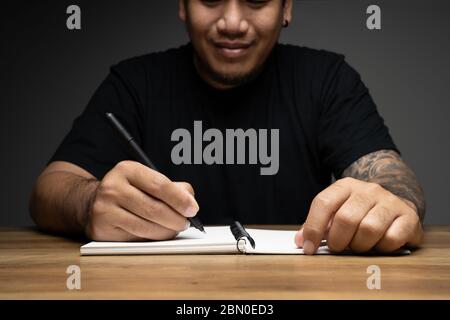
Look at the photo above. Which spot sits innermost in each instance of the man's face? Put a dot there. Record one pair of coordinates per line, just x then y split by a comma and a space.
233, 38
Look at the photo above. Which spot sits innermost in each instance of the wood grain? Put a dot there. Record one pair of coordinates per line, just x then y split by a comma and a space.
33, 266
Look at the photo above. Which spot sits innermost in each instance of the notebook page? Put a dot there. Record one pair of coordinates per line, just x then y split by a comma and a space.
216, 240
283, 242
273, 242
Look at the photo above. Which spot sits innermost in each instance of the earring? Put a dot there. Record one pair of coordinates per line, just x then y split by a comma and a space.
286, 23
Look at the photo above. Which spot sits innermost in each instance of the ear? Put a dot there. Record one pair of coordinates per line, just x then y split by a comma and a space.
182, 10
287, 10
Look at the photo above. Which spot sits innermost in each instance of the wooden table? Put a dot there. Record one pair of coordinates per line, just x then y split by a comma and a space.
33, 266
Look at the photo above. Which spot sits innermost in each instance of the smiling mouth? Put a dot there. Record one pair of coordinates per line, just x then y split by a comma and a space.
232, 50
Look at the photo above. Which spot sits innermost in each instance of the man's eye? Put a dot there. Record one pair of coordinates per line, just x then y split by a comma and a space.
257, 3
211, 2
254, 3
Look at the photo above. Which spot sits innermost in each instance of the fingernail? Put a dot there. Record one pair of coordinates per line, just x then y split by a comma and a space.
309, 247
188, 224
191, 211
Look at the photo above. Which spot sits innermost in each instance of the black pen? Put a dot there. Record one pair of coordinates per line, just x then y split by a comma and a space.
143, 158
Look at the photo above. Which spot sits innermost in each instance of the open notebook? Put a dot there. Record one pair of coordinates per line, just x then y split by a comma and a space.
217, 240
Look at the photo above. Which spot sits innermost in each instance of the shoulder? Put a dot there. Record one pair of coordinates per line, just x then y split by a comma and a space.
151, 64
308, 58
320, 70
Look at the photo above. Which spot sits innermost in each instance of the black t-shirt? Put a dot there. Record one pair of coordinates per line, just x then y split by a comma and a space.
323, 111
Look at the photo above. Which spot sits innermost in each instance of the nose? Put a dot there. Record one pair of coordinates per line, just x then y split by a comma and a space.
232, 22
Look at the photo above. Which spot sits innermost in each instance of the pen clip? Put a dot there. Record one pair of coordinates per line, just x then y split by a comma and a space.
240, 233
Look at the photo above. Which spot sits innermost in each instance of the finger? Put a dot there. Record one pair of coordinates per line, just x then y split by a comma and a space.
112, 233
372, 228
162, 188
299, 238
123, 236
324, 205
140, 227
346, 221
299, 235
151, 209
405, 230
327, 231
187, 186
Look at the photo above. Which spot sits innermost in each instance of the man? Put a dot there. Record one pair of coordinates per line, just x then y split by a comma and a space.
234, 74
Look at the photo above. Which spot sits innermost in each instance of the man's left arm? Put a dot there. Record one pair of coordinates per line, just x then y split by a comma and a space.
378, 204
387, 169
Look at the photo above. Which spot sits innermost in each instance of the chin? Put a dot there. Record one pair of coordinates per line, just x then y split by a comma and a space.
235, 71
233, 79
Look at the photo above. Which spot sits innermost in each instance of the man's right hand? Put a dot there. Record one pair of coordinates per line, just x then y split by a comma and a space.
134, 202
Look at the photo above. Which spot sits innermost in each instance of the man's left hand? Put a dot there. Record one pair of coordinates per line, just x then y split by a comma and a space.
361, 216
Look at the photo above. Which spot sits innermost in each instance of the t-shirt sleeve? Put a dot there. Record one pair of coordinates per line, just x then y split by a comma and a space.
92, 143
349, 123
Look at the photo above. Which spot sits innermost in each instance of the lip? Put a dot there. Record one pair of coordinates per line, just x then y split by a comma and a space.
232, 49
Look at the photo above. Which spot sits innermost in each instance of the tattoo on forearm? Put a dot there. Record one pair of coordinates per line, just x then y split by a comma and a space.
386, 168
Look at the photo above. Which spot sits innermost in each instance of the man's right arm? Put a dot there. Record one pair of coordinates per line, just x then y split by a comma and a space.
132, 202
62, 197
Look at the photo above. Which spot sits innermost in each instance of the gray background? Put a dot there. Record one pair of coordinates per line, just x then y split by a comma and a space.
48, 74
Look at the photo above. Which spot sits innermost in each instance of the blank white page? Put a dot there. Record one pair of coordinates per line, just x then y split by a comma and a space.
283, 242
276, 242
216, 240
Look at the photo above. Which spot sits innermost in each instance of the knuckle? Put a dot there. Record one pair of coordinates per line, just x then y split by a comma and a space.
97, 208
391, 243
124, 166
383, 214
339, 184
345, 218
107, 188
189, 187
311, 232
391, 199
360, 199
108, 191
157, 184
346, 181
372, 187
369, 230
323, 201
107, 183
